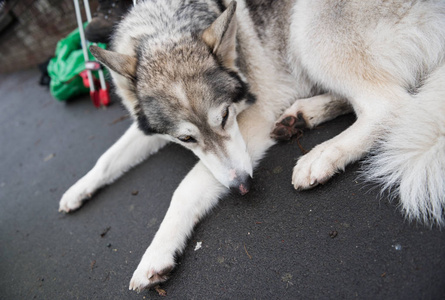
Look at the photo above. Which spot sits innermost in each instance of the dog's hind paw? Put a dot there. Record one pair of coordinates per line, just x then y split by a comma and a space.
288, 126
151, 271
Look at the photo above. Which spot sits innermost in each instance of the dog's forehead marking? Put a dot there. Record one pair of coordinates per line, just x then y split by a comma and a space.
180, 94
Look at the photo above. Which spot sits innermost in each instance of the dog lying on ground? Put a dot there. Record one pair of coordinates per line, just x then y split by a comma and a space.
216, 78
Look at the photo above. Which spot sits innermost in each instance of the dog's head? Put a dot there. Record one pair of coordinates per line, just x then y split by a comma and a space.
192, 91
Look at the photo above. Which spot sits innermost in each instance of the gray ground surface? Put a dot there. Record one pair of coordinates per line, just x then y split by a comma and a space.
273, 243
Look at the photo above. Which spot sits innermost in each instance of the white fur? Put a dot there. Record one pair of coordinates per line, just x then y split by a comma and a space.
314, 109
195, 196
131, 149
409, 158
369, 56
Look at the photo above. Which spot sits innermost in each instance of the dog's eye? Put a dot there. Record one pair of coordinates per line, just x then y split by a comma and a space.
187, 139
225, 116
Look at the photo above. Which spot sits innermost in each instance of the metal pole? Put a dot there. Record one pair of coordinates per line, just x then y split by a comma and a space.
84, 44
103, 85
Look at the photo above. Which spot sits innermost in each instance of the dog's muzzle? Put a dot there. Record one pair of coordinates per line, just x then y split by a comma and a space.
241, 185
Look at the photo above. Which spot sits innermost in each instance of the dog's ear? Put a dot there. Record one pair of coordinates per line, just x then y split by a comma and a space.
221, 36
122, 64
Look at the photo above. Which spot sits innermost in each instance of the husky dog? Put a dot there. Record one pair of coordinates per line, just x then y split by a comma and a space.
222, 78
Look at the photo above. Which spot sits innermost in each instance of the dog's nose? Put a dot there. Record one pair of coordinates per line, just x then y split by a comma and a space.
241, 186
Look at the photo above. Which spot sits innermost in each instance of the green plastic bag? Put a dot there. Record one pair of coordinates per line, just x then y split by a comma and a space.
65, 67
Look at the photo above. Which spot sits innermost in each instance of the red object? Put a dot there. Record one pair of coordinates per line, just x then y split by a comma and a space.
95, 97
84, 75
100, 97
104, 97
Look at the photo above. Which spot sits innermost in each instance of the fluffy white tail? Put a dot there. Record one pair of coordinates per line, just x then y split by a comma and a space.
409, 160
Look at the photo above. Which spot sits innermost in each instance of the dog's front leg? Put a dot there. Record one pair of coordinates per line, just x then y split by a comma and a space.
196, 195
322, 162
131, 149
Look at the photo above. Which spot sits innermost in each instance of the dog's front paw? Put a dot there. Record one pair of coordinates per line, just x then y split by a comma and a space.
316, 167
73, 198
153, 269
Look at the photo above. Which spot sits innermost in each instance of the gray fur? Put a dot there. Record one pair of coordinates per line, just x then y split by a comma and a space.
169, 49
165, 38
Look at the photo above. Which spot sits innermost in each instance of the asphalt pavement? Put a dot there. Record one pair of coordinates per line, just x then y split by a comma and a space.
341, 240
